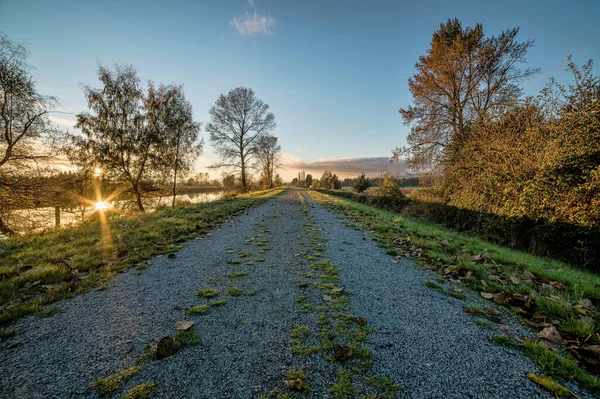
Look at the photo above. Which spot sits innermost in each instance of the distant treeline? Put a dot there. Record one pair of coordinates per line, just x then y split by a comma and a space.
378, 181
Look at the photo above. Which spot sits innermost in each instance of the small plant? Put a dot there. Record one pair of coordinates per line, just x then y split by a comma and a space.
503, 340
296, 381
207, 293
392, 252
581, 328
249, 262
187, 338
142, 391
361, 183
218, 302
234, 261
237, 274
560, 367
343, 388
473, 310
201, 309
8, 332
299, 334
235, 291
105, 386
483, 323
432, 285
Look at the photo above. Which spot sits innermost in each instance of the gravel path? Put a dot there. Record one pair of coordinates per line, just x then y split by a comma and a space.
420, 338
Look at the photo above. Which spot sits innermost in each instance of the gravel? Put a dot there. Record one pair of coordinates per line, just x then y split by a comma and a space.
421, 338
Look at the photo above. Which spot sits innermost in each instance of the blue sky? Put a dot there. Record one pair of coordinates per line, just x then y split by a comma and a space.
334, 72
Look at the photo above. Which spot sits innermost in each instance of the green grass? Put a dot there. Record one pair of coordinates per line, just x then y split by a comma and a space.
560, 367
235, 291
483, 323
237, 274
187, 338
474, 310
343, 387
218, 302
200, 309
105, 386
207, 293
142, 391
8, 332
582, 328
101, 250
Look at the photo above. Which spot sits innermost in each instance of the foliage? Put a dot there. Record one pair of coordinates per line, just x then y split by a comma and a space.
238, 120
134, 137
530, 178
268, 154
392, 199
361, 183
24, 124
330, 181
465, 77
171, 115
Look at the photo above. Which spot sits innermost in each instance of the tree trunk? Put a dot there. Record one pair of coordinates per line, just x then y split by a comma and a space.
244, 183
176, 167
138, 197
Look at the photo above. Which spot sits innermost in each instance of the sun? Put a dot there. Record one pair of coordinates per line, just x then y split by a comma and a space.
102, 206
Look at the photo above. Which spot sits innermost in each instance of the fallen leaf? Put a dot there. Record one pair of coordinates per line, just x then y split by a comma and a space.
341, 353
528, 274
494, 277
361, 321
492, 311
559, 390
551, 334
184, 325
506, 329
166, 347
326, 298
514, 280
487, 295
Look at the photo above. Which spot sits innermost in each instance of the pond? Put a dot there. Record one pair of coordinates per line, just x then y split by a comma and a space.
37, 219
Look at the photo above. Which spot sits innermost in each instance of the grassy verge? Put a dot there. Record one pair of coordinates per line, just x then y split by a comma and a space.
546, 293
38, 269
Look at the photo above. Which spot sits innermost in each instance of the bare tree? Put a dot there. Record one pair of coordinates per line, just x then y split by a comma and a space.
24, 124
464, 78
268, 154
237, 121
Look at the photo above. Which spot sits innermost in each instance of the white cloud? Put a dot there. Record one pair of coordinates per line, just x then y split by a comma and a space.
254, 24
61, 121
251, 2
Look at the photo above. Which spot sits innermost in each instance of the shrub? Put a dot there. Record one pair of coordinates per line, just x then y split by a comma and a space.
361, 183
